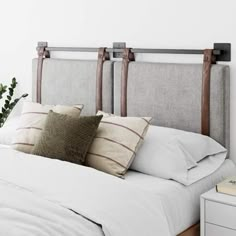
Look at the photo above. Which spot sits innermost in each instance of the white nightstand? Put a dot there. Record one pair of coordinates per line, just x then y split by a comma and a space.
218, 214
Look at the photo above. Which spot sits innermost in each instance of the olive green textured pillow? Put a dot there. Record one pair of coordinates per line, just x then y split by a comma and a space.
67, 138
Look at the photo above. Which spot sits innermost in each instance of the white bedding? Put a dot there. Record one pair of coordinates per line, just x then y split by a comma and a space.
23, 213
37, 194
181, 203
40, 196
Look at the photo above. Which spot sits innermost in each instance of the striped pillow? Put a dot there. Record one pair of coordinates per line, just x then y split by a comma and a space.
32, 122
116, 143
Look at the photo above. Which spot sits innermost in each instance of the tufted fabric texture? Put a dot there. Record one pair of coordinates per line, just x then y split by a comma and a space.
67, 138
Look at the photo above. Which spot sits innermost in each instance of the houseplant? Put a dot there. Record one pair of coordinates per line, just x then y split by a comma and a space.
9, 102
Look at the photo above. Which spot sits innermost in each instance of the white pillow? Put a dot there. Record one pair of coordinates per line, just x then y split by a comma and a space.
205, 167
16, 111
172, 154
8, 131
198, 146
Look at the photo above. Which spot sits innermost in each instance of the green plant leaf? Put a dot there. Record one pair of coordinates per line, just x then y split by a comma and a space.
8, 103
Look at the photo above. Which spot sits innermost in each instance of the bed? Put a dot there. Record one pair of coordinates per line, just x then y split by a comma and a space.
151, 91
178, 198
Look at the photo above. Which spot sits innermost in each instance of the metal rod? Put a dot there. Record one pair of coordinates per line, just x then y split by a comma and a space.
71, 49
134, 50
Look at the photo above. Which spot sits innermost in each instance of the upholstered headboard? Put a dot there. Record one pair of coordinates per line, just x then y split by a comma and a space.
170, 93
69, 82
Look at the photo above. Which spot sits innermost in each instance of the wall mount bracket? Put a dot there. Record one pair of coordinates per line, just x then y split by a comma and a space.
225, 49
118, 45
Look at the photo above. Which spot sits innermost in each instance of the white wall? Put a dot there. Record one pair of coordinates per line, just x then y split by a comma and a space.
140, 23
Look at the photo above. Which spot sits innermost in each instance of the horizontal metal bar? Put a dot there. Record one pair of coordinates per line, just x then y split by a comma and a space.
169, 51
134, 50
174, 51
71, 49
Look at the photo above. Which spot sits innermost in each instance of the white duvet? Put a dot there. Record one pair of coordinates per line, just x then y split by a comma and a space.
40, 196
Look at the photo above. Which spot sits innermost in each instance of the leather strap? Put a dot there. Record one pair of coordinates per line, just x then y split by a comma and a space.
208, 60
127, 57
102, 56
42, 53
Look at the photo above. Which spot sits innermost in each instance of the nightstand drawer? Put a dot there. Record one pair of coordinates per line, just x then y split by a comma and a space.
214, 230
220, 214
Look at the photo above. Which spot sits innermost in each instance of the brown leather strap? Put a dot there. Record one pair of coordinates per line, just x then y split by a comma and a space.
208, 60
127, 57
102, 56
41, 55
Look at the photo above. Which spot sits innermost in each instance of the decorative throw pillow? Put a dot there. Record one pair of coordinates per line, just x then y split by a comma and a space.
116, 143
67, 138
32, 121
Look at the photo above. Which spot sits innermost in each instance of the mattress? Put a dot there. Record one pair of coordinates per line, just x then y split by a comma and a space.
181, 203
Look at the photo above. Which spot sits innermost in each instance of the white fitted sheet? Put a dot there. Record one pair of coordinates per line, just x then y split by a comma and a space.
181, 203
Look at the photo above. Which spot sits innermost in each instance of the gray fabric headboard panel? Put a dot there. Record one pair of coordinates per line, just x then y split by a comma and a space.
74, 82
171, 94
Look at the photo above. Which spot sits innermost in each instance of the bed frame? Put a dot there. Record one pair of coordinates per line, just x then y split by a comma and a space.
192, 231
192, 97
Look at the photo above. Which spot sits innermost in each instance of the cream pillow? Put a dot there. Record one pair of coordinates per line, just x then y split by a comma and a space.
116, 143
32, 120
